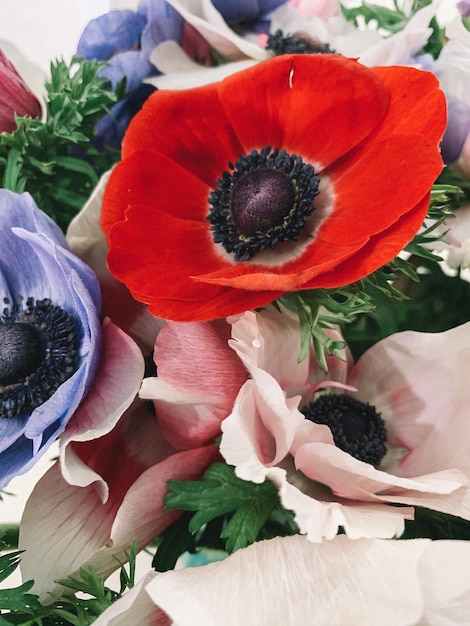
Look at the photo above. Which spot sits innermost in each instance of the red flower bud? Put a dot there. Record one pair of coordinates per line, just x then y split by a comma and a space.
15, 97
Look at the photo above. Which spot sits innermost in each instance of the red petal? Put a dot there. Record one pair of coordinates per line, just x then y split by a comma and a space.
316, 106
154, 254
379, 250
417, 104
153, 179
188, 126
374, 188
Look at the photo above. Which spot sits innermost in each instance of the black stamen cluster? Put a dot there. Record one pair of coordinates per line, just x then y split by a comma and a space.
39, 351
298, 43
265, 199
356, 426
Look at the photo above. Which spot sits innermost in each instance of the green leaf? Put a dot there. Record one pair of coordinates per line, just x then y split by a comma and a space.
220, 492
18, 599
8, 564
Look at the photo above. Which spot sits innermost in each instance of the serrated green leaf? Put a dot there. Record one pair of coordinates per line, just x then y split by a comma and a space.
220, 492
18, 599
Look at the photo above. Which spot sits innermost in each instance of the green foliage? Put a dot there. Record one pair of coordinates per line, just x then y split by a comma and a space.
393, 20
54, 159
229, 513
24, 609
435, 525
321, 309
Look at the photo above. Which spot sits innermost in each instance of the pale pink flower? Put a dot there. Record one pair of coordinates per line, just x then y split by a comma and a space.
319, 8
289, 581
368, 45
109, 485
417, 382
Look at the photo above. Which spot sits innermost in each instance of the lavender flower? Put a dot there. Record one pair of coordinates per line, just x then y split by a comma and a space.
49, 333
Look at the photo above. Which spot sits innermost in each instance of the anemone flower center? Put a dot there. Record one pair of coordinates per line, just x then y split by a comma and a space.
39, 350
20, 352
356, 426
266, 199
297, 43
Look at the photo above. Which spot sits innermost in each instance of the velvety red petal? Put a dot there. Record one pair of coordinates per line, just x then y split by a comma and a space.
375, 188
379, 250
227, 302
417, 104
154, 180
154, 254
317, 106
188, 126
320, 257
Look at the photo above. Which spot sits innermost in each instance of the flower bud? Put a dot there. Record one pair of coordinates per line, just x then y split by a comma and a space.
15, 97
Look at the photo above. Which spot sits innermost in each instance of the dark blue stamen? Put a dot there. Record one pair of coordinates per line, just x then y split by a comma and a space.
356, 426
265, 200
39, 350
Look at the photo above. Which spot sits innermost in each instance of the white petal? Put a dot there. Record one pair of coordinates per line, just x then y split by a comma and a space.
209, 22
291, 582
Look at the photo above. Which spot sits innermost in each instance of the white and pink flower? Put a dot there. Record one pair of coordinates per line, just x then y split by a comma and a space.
288, 581
416, 382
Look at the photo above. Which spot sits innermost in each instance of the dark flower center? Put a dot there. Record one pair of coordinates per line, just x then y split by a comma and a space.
356, 426
266, 199
298, 43
39, 350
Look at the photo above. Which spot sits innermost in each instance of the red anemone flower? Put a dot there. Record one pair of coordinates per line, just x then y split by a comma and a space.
302, 172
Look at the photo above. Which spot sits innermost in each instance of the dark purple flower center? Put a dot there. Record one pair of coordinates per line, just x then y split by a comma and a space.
261, 199
297, 43
39, 350
20, 351
265, 200
356, 426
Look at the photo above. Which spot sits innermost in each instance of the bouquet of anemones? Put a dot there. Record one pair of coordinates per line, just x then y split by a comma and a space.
235, 334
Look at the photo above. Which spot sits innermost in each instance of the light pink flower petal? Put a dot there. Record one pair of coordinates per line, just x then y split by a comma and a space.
135, 607
290, 581
114, 389
436, 394
350, 478
205, 18
318, 8
88, 242
319, 514
444, 574
198, 380
181, 72
260, 430
71, 528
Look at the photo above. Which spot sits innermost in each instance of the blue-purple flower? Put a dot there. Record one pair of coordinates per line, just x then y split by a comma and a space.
125, 39
50, 335
252, 14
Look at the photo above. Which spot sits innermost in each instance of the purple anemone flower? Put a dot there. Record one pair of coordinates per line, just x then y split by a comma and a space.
126, 39
457, 131
255, 15
50, 336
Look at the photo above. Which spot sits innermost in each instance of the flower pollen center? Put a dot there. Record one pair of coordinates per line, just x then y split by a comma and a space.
265, 200
39, 350
260, 200
356, 426
21, 351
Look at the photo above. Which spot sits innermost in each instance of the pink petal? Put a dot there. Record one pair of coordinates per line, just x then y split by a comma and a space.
71, 528
114, 389
198, 380
135, 607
